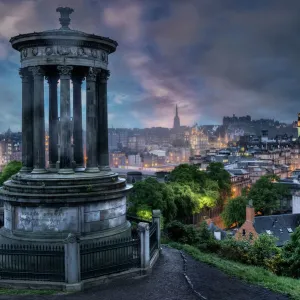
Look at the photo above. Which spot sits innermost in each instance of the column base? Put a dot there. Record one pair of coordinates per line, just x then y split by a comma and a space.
105, 168
79, 168
92, 170
39, 171
66, 171
26, 170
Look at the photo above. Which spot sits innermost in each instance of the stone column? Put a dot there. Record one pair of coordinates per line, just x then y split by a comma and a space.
156, 217
72, 263
38, 121
27, 120
77, 121
103, 156
53, 120
91, 121
65, 120
145, 245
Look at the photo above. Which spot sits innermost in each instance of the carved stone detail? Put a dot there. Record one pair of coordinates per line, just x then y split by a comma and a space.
62, 50
24, 52
104, 75
94, 53
92, 74
80, 51
37, 71
24, 75
35, 51
65, 70
49, 50
104, 57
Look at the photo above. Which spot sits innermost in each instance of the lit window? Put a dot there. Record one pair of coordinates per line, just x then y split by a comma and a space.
290, 230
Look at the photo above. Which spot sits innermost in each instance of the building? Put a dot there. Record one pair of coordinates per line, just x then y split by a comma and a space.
279, 226
176, 124
134, 160
240, 179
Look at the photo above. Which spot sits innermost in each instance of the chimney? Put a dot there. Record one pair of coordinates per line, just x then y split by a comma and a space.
250, 213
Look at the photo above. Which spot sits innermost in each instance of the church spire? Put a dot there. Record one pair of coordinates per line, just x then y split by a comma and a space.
176, 125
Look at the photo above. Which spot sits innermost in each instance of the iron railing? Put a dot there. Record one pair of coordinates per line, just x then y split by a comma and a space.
103, 258
153, 239
32, 262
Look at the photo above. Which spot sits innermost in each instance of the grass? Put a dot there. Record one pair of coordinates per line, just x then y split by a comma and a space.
251, 274
27, 292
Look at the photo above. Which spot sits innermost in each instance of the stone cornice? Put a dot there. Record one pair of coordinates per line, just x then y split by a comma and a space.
63, 37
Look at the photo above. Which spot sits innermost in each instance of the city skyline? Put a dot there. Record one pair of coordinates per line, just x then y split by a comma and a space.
210, 58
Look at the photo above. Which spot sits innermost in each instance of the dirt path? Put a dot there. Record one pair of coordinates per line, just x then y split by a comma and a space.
167, 282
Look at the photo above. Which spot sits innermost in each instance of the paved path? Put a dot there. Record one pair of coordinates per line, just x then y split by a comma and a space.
167, 282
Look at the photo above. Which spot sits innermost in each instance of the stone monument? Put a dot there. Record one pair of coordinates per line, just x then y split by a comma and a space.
44, 205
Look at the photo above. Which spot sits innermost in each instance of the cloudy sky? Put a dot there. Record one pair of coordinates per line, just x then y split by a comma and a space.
211, 57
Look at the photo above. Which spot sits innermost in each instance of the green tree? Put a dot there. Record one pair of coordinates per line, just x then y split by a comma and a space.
235, 211
291, 255
189, 175
10, 169
266, 194
150, 194
185, 200
216, 172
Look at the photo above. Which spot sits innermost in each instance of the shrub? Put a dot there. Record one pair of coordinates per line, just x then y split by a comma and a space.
264, 248
235, 250
291, 256
181, 233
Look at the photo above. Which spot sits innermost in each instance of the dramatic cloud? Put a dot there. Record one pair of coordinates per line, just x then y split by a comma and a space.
212, 58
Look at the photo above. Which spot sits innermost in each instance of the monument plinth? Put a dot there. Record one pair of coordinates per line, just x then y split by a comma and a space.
46, 204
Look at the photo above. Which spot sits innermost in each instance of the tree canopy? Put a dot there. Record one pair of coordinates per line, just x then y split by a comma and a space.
235, 211
150, 194
10, 169
266, 194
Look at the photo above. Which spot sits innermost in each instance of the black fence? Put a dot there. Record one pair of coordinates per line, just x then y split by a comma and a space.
153, 239
31, 262
109, 257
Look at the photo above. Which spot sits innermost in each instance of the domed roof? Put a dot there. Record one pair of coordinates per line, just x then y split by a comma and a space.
64, 33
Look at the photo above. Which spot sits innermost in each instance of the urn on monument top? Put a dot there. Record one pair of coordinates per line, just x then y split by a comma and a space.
64, 16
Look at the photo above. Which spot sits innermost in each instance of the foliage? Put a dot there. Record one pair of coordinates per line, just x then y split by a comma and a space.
185, 199
10, 169
291, 255
189, 175
217, 173
150, 194
251, 274
235, 211
263, 249
235, 250
266, 194
182, 233
144, 212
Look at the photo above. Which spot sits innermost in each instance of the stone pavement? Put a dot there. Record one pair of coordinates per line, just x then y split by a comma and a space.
167, 282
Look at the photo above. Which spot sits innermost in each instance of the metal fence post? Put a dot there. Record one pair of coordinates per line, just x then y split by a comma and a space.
72, 263
145, 245
156, 215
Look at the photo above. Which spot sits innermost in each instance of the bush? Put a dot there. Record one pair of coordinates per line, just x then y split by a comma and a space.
263, 250
181, 233
235, 250
291, 256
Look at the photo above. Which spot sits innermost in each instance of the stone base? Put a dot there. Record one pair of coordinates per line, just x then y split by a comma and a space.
39, 171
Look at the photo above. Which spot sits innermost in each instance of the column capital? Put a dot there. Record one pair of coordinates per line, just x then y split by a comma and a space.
52, 78
37, 71
65, 71
77, 78
104, 75
24, 74
92, 74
